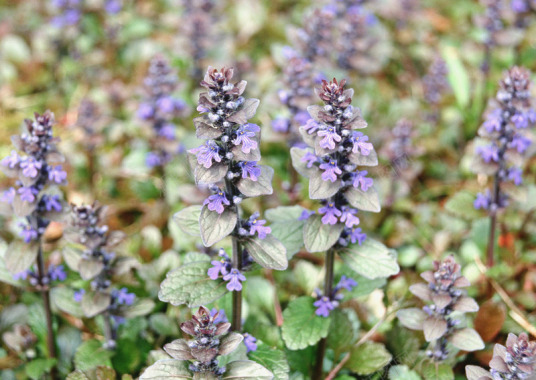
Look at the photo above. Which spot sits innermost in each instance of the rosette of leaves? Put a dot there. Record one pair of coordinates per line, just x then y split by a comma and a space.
197, 358
515, 361
228, 163
442, 316
503, 145
90, 254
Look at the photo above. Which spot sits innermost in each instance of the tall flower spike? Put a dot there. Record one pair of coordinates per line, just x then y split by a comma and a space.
503, 142
435, 82
199, 356
159, 108
491, 21
315, 40
516, 361
443, 296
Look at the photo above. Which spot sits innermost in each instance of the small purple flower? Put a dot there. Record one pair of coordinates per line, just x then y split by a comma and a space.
8, 195
167, 131
482, 201
493, 121
250, 342
520, 143
57, 273
302, 117
207, 153
12, 160
145, 111
324, 306
283, 96
281, 125
305, 214
311, 126
519, 6
257, 226
218, 266
348, 216
123, 297
330, 137
488, 153
346, 283
217, 201
52, 203
356, 235
221, 315
520, 120
330, 213
57, 174
310, 158
152, 159
234, 278
361, 181
118, 320
78, 295
28, 233
166, 104
202, 109
360, 144
27, 193
244, 135
30, 167
330, 170
22, 275
113, 6
515, 175
250, 169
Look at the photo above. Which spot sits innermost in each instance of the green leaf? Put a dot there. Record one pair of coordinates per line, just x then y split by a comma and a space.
461, 205
211, 175
246, 369
77, 375
467, 340
365, 286
320, 189
412, 318
191, 285
307, 276
214, 226
167, 369
163, 325
95, 303
301, 326
368, 358
319, 237
268, 252
342, 333
296, 155
262, 186
272, 359
20, 256
36, 368
188, 220
363, 200
286, 227
372, 259
435, 371
402, 372
140, 308
90, 355
474, 372
457, 75
63, 298
105, 373
434, 328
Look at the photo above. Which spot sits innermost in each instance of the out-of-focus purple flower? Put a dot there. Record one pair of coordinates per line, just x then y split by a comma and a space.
250, 342
488, 153
493, 121
310, 158
166, 104
234, 278
207, 153
330, 137
250, 169
113, 6
483, 200
28, 233
515, 175
218, 266
152, 159
167, 131
348, 217
346, 283
330, 170
8, 195
357, 236
52, 203
520, 143
311, 126
302, 117
323, 306
519, 6
57, 174
244, 136
57, 273
281, 124
30, 167
360, 180
12, 160
22, 275
306, 214
257, 226
78, 295
118, 320
123, 297
27, 194
217, 201
330, 213
145, 111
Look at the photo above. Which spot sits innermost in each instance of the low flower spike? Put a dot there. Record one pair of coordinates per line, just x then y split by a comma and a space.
443, 296
435, 83
199, 355
336, 150
504, 138
516, 361
159, 108
325, 304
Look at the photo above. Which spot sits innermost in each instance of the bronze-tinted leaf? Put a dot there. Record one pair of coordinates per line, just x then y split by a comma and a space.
229, 343
214, 226
262, 186
422, 291
320, 189
179, 349
489, 320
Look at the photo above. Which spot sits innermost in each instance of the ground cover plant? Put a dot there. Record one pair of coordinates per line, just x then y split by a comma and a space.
251, 189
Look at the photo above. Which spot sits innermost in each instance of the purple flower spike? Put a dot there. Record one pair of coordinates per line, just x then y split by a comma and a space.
324, 306
217, 201
234, 278
330, 137
207, 153
244, 135
330, 213
330, 170
250, 169
57, 174
250, 342
218, 266
30, 167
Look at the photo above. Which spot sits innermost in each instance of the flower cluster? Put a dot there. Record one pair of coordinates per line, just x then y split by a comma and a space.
89, 121
491, 21
505, 138
224, 268
297, 95
399, 147
54, 273
38, 168
337, 149
435, 82
444, 296
516, 361
315, 39
68, 12
160, 108
326, 303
